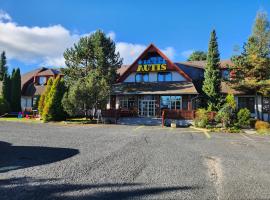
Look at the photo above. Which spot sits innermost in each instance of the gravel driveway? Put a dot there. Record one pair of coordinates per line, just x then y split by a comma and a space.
49, 161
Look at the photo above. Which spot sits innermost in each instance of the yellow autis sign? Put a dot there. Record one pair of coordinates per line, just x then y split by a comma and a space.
152, 64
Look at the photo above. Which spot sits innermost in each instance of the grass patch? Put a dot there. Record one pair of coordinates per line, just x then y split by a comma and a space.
15, 119
80, 121
263, 131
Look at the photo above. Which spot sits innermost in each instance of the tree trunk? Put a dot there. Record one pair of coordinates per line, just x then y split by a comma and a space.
256, 104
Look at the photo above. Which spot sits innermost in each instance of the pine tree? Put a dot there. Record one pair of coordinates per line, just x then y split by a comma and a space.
53, 109
197, 56
6, 88
252, 68
41, 102
3, 67
212, 75
16, 90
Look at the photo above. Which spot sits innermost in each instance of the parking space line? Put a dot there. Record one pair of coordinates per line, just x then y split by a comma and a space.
246, 137
137, 128
205, 132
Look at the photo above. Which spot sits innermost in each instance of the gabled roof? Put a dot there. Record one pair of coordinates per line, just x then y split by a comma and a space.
27, 80
201, 64
152, 48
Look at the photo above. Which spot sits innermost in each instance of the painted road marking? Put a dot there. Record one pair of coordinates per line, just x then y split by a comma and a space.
137, 128
246, 137
207, 135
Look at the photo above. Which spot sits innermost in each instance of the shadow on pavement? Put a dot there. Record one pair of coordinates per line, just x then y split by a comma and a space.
28, 188
18, 157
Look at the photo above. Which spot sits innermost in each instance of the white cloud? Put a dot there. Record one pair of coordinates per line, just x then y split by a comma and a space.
111, 35
4, 16
35, 44
129, 52
45, 45
187, 53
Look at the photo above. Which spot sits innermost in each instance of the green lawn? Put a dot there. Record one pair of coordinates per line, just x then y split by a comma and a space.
15, 119
68, 121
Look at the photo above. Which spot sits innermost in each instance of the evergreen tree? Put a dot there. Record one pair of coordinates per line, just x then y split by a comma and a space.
94, 52
197, 56
251, 70
53, 109
6, 88
88, 93
16, 90
42, 99
3, 67
212, 75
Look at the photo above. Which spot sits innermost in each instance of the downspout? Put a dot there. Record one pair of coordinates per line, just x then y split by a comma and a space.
256, 104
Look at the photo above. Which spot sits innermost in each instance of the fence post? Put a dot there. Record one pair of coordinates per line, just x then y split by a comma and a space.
163, 116
193, 114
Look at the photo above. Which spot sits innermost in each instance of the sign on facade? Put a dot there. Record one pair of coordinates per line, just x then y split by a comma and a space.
152, 64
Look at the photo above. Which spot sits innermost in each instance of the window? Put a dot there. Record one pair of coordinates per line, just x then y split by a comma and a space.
142, 77
164, 76
225, 74
170, 102
42, 80
127, 102
247, 102
266, 104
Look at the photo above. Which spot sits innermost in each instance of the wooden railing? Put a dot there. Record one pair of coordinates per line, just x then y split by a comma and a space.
113, 113
179, 114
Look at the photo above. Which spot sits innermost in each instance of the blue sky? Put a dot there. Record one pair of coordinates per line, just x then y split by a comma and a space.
35, 33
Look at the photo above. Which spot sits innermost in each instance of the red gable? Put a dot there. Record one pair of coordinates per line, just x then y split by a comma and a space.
149, 52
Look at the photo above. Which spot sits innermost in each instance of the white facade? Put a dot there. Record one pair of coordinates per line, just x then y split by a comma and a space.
153, 77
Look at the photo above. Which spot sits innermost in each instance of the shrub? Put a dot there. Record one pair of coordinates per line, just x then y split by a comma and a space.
53, 109
45, 96
261, 125
4, 106
243, 117
201, 119
226, 115
234, 130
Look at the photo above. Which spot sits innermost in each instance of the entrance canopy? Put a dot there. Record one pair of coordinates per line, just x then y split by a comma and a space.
154, 88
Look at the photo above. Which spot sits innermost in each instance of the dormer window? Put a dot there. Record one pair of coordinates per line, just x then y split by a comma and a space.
42, 80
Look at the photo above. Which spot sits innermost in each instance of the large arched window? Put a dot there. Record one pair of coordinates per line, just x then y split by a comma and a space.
142, 77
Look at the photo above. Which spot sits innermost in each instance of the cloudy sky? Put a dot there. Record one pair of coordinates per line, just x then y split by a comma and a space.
36, 33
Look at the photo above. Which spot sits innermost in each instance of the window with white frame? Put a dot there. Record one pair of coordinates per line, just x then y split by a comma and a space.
42, 80
266, 104
127, 102
171, 102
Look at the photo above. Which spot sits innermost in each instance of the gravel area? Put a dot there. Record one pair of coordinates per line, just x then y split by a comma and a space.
52, 161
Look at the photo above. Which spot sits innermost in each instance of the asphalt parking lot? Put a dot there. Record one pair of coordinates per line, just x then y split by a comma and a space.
50, 161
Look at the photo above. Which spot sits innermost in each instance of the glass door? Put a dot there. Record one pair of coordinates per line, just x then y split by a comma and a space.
147, 108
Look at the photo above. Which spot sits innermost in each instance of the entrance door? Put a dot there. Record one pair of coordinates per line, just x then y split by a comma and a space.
147, 108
